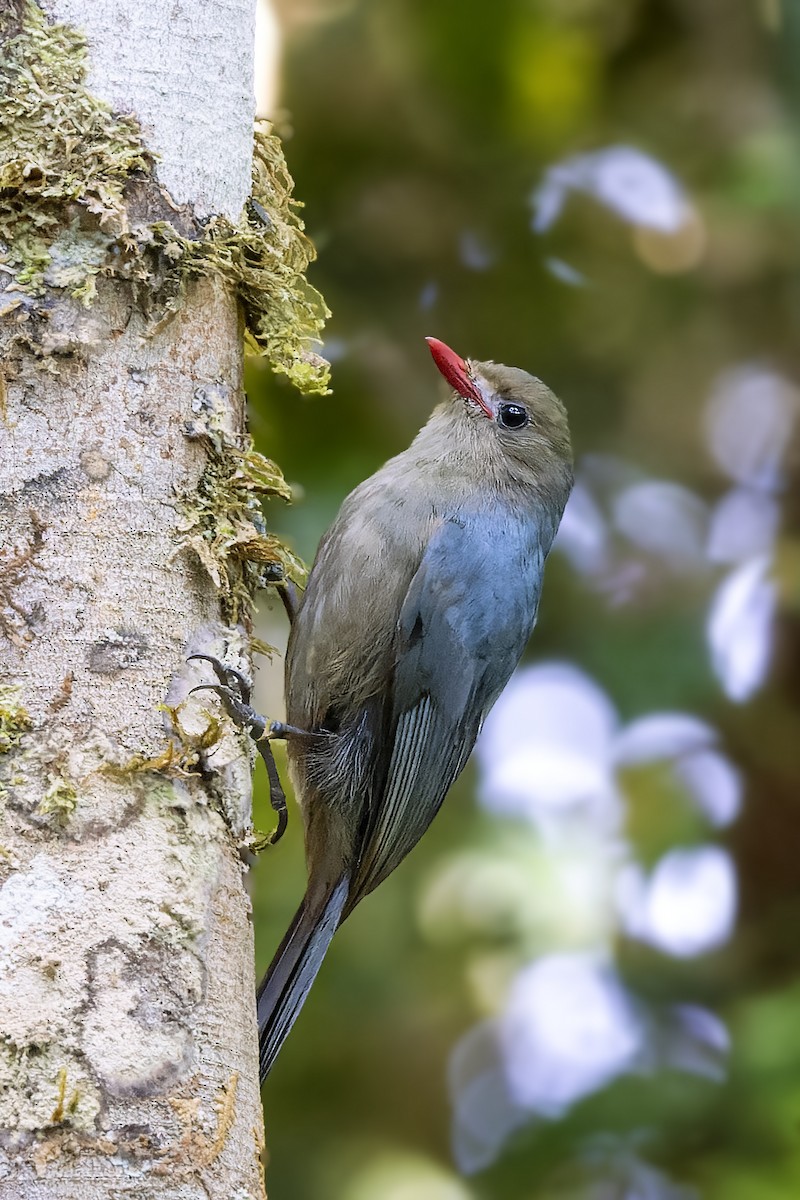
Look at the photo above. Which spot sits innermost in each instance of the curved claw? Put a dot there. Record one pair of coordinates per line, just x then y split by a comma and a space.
233, 689
239, 712
279, 805
229, 677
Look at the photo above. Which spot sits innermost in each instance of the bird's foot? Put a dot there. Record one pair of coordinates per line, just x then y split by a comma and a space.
234, 690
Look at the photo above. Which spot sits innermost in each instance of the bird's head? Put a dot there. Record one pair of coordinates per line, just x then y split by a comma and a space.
510, 411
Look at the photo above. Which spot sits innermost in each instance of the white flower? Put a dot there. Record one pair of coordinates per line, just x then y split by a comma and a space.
664, 519
739, 628
568, 1029
744, 525
545, 745
749, 421
687, 906
631, 183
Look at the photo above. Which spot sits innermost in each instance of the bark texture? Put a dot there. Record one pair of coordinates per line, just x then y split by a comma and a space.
186, 70
128, 1049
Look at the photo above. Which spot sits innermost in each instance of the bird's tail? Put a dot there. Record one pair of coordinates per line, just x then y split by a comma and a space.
294, 968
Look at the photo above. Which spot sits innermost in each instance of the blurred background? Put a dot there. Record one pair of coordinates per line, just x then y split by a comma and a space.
584, 984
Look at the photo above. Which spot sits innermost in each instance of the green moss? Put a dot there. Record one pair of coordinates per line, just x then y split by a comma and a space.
222, 519
182, 756
264, 256
59, 144
14, 718
71, 173
59, 801
65, 1107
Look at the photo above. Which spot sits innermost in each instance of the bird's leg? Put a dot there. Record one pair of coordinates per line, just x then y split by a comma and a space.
275, 576
288, 594
277, 796
282, 731
234, 691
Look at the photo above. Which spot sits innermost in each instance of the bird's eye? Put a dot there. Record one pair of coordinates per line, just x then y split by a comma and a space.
512, 416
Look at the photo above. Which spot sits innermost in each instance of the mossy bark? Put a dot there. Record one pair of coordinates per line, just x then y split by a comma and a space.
128, 1049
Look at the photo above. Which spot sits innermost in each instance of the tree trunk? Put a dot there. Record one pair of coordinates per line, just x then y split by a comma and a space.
128, 1049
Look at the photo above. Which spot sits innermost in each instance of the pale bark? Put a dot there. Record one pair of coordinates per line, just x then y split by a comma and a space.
185, 68
128, 1049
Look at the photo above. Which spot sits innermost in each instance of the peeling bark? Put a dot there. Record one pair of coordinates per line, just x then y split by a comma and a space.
128, 1048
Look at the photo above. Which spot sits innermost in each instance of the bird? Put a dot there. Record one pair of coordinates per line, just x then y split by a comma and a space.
419, 604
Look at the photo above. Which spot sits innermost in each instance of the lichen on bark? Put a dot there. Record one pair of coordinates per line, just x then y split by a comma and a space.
223, 524
128, 1048
14, 718
73, 175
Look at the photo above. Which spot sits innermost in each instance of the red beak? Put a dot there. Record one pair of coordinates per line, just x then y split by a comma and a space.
456, 372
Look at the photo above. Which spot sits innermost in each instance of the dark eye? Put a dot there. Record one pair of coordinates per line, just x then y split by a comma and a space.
512, 416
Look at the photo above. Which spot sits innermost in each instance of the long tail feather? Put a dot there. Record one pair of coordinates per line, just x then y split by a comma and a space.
294, 968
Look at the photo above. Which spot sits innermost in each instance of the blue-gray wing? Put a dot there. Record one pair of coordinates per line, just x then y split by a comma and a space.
467, 615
